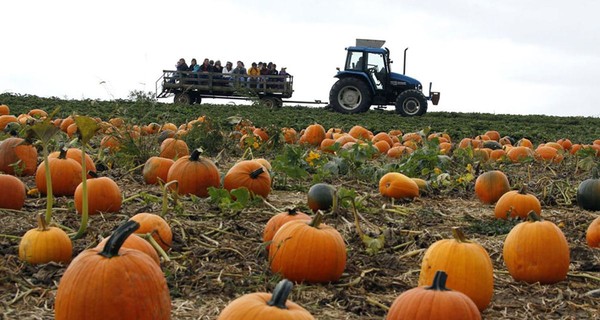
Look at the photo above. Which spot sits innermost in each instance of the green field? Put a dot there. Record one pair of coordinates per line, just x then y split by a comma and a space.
538, 128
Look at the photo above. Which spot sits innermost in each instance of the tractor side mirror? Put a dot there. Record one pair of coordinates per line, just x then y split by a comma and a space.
337, 68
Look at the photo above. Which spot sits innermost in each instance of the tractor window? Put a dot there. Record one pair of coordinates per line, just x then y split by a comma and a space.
376, 69
355, 61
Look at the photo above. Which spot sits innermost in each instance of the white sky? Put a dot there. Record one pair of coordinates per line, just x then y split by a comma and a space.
518, 57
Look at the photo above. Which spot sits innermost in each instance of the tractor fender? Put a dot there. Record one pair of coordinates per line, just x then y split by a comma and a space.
359, 75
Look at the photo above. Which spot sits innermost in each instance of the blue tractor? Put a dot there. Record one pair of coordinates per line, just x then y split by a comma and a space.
367, 80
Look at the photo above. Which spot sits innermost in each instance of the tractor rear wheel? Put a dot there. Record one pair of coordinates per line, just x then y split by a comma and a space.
182, 98
411, 103
350, 95
271, 102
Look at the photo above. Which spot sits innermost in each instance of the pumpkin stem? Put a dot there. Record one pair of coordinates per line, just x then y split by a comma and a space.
523, 189
254, 174
195, 156
439, 281
316, 221
280, 294
459, 235
42, 226
118, 237
595, 174
63, 152
92, 174
533, 217
292, 211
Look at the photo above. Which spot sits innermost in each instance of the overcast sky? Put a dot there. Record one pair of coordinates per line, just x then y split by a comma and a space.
517, 57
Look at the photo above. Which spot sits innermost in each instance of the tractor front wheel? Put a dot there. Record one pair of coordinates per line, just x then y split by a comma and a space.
350, 95
411, 103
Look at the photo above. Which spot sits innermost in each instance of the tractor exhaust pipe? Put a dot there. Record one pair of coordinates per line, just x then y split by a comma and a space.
404, 65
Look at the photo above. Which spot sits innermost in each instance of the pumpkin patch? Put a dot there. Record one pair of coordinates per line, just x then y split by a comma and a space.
205, 233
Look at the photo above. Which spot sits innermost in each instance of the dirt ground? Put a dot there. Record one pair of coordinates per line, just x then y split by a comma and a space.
217, 256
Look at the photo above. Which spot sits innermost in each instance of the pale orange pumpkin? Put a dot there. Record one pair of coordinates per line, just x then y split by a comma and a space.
398, 186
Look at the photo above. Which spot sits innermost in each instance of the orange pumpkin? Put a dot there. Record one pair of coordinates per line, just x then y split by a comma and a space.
104, 195
156, 169
327, 145
44, 244
249, 174
398, 186
434, 302
173, 148
308, 251
289, 135
398, 151
359, 132
517, 204
592, 235
491, 185
382, 136
314, 134
524, 142
128, 284
111, 142
497, 154
4, 110
66, 122
156, 226
264, 306
16, 153
519, 153
548, 154
6, 119
65, 175
13, 192
467, 264
493, 135
536, 251
261, 134
280, 219
195, 174
37, 113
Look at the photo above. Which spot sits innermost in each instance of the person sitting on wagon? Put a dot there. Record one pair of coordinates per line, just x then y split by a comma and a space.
181, 66
254, 73
205, 68
240, 72
227, 71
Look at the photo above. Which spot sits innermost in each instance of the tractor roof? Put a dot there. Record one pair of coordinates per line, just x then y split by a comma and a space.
367, 49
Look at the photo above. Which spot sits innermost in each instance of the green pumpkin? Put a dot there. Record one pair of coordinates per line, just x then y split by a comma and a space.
321, 196
588, 193
492, 145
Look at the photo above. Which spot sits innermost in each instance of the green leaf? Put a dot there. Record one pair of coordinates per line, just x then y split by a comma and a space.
43, 131
242, 195
373, 245
86, 127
